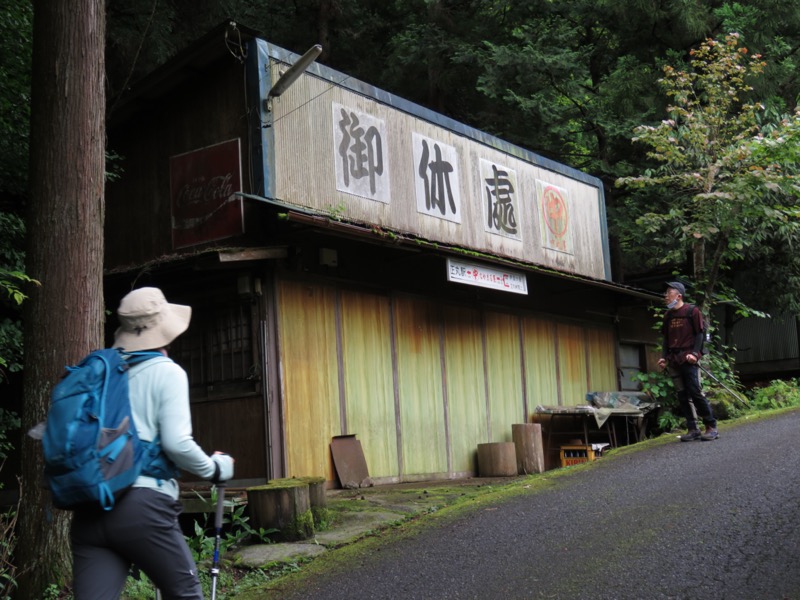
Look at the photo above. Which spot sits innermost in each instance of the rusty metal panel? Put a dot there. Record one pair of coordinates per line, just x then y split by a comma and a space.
322, 149
504, 374
419, 379
466, 391
541, 374
602, 358
350, 462
369, 389
572, 370
308, 376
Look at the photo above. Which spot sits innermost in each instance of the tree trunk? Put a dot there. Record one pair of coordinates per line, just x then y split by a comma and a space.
64, 316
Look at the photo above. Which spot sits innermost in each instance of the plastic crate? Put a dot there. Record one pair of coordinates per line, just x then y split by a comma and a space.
575, 455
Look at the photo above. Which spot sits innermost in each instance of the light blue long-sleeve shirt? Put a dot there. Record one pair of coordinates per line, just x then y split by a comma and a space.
159, 396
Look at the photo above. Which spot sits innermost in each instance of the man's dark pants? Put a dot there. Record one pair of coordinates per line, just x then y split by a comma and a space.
686, 379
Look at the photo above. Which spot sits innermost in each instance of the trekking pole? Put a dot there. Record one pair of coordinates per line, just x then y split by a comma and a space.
217, 535
735, 394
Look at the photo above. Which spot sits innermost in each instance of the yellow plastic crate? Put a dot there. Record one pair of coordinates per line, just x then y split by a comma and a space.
575, 455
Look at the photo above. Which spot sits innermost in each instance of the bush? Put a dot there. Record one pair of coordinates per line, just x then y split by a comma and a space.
778, 394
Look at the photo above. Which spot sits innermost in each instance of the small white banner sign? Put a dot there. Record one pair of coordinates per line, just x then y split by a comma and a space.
496, 279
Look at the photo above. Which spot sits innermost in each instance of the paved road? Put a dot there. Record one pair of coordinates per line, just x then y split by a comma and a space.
678, 521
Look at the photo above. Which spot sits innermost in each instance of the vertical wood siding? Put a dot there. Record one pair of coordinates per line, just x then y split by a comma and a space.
504, 374
466, 390
572, 363
369, 391
602, 360
541, 374
423, 395
419, 372
309, 376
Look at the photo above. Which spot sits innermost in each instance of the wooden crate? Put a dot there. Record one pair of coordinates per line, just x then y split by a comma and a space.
575, 455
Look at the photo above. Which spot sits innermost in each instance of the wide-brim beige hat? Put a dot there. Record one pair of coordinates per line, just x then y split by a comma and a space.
148, 321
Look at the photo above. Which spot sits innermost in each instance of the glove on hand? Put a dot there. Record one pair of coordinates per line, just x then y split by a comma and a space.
223, 468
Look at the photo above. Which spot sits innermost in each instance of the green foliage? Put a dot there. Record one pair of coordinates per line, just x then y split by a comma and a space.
725, 199
778, 394
8, 541
16, 34
236, 531
668, 420
9, 421
12, 280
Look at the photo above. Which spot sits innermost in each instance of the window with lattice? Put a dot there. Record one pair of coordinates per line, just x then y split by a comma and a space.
219, 351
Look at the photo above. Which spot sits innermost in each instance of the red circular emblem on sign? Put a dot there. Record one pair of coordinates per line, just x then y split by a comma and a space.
555, 211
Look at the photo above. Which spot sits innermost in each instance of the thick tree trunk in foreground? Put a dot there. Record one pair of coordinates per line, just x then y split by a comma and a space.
63, 317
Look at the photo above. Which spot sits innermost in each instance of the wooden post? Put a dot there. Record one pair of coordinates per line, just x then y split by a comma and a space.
283, 505
497, 459
317, 499
529, 448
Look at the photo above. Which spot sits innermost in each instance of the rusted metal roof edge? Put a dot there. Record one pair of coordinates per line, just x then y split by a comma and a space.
323, 220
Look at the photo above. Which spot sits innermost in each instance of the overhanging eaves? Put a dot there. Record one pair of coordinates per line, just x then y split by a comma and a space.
375, 234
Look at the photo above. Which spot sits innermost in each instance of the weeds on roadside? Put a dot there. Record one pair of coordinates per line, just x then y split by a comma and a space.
239, 531
778, 394
8, 541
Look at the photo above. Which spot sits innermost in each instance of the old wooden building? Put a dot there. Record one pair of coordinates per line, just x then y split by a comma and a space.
357, 265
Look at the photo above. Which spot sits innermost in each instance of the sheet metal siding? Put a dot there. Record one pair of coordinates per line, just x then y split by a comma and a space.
602, 359
269, 52
571, 341
308, 376
504, 374
541, 375
483, 366
304, 173
422, 414
759, 340
463, 349
369, 391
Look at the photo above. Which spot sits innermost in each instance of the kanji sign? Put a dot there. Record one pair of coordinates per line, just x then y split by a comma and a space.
488, 277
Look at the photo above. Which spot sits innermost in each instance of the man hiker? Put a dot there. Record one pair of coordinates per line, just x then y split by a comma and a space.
682, 347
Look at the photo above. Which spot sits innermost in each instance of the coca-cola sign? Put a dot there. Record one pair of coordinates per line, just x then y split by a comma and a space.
202, 186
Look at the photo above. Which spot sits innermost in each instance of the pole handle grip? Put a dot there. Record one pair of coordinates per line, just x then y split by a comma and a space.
220, 507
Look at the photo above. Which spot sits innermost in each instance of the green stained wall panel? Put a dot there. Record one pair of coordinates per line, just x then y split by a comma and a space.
369, 389
466, 390
573, 373
541, 375
504, 374
602, 360
308, 376
417, 325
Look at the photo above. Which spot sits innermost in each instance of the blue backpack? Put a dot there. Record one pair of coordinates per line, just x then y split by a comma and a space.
92, 452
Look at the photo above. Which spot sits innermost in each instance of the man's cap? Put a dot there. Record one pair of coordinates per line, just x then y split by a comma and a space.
677, 285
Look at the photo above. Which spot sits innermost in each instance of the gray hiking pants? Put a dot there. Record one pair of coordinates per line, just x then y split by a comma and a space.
142, 530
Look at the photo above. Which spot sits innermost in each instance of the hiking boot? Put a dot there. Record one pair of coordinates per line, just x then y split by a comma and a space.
710, 435
691, 436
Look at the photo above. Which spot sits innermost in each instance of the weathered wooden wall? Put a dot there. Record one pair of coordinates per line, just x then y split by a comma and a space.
206, 110
420, 382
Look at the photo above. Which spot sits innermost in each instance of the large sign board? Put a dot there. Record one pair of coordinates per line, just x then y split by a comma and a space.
385, 162
203, 183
